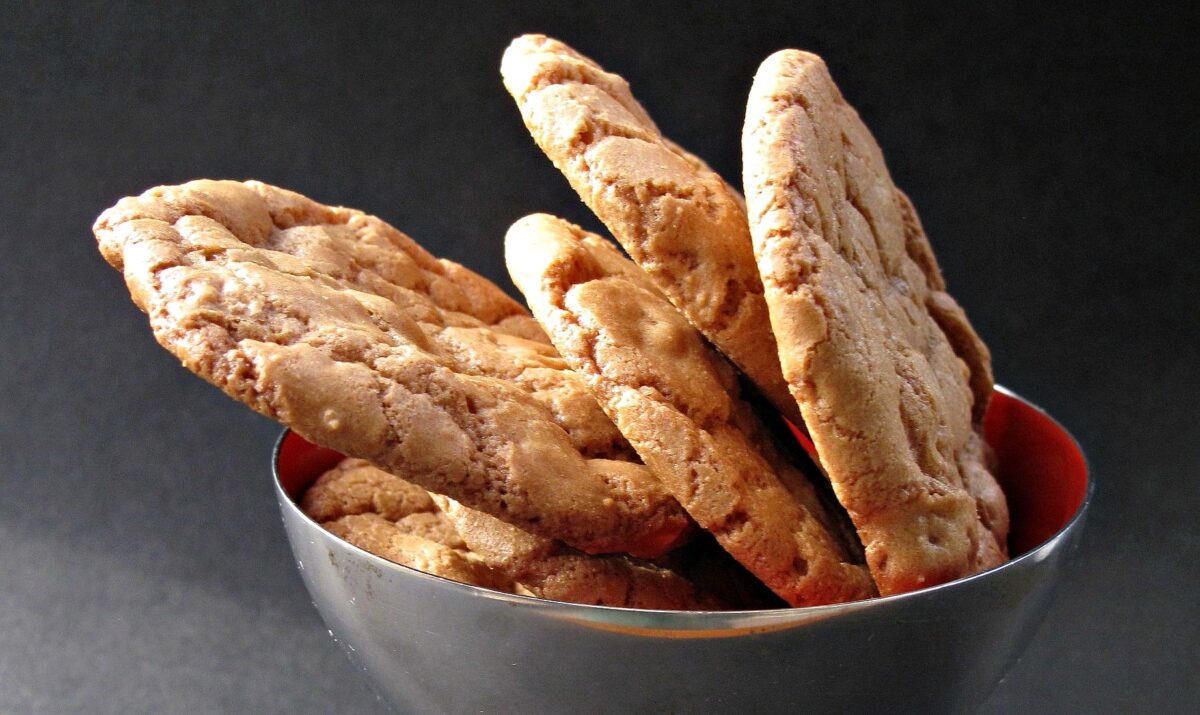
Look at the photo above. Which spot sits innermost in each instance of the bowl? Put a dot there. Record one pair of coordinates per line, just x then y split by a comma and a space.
427, 644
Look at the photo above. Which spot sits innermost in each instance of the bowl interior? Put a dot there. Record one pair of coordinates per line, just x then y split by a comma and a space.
1040, 468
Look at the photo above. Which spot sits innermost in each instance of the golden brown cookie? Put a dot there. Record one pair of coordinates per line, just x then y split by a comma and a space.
683, 224
546, 568
373, 533
883, 364
676, 401
331, 322
354, 486
432, 526
539, 369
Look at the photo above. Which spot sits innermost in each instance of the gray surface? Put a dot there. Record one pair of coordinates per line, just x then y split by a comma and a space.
142, 563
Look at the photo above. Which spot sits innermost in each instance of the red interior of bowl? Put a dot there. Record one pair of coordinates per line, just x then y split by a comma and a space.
1042, 471
298, 463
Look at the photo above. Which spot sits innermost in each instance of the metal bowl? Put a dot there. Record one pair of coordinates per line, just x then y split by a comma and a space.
427, 644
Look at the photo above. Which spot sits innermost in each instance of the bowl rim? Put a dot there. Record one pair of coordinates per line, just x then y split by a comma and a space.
702, 620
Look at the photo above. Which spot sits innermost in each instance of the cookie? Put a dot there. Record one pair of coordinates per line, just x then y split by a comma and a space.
515, 559
676, 401
329, 321
432, 526
539, 369
683, 224
353, 486
888, 374
548, 569
373, 533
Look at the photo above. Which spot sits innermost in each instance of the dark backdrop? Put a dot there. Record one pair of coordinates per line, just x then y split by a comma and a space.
142, 564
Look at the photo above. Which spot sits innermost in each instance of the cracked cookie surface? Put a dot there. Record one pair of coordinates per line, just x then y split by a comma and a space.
676, 401
354, 486
683, 224
889, 375
337, 325
394, 520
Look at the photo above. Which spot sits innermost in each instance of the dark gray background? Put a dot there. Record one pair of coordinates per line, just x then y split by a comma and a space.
142, 564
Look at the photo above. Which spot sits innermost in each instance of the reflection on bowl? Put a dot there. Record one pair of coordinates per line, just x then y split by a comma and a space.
432, 645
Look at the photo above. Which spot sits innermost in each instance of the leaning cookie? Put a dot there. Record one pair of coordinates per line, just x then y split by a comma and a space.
549, 569
683, 224
888, 374
676, 401
333, 323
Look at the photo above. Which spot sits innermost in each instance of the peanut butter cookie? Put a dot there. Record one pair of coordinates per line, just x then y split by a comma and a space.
683, 224
335, 324
884, 365
676, 401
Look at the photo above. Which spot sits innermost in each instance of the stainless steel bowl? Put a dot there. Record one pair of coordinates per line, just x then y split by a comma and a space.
431, 645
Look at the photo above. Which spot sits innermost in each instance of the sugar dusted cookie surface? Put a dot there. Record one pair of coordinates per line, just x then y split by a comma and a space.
676, 401
884, 365
683, 224
336, 324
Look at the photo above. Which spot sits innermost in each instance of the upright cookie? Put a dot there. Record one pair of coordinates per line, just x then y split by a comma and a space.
883, 364
334, 323
674, 215
676, 401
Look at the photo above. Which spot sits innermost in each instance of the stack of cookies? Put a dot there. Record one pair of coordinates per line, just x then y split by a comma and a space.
621, 444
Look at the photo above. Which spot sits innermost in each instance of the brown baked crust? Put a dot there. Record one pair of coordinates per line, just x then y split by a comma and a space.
946, 311
432, 526
881, 361
373, 533
331, 322
354, 486
676, 401
540, 370
546, 568
683, 224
